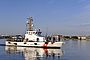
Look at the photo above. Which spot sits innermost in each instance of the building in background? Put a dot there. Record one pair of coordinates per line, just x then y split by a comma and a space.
82, 37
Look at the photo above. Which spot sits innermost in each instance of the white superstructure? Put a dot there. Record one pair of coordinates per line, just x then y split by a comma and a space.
33, 36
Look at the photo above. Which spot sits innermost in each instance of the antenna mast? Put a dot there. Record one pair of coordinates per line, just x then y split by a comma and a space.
30, 24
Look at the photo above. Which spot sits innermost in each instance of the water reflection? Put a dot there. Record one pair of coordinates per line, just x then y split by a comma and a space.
35, 53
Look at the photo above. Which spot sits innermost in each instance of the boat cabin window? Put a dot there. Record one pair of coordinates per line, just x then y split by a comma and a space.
30, 33
33, 32
36, 32
26, 32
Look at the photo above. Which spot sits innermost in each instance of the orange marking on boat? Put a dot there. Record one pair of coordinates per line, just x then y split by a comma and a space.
45, 45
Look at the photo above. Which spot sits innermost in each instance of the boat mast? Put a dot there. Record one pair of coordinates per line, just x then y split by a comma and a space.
30, 24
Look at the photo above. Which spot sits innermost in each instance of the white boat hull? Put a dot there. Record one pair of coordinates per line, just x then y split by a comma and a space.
35, 44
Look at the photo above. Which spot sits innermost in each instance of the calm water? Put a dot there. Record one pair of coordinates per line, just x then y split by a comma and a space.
72, 50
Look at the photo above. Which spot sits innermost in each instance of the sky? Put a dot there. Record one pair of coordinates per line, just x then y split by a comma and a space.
66, 17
